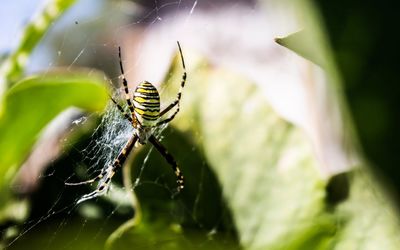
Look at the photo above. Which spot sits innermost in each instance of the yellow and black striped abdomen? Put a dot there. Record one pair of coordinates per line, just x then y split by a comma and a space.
146, 101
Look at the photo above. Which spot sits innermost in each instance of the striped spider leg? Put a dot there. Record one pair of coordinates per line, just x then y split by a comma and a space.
144, 117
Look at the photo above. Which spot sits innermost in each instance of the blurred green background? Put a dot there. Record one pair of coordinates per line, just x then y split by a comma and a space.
220, 208
365, 44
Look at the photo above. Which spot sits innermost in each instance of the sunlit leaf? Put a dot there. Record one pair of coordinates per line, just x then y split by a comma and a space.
265, 165
302, 43
13, 67
32, 103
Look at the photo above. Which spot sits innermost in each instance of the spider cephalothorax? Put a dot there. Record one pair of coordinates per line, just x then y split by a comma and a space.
144, 116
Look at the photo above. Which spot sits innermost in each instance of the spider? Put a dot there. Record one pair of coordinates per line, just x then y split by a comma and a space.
144, 117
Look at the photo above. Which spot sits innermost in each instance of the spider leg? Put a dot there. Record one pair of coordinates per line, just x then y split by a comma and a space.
107, 174
122, 110
169, 118
102, 186
83, 182
179, 95
88, 181
125, 83
169, 158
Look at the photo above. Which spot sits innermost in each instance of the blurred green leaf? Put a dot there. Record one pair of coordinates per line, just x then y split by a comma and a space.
167, 236
32, 103
70, 236
269, 174
301, 42
15, 210
13, 67
370, 219
265, 165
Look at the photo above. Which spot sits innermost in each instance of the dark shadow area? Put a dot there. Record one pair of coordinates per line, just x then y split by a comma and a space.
365, 40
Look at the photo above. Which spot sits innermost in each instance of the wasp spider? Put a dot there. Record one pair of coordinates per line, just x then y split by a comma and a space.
144, 116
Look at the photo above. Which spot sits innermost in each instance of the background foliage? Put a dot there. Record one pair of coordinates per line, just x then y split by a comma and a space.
268, 195
367, 58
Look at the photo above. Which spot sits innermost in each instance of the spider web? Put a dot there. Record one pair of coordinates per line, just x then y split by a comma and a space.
56, 219
89, 36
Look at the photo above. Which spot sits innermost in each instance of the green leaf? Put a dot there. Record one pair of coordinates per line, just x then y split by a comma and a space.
301, 42
150, 235
269, 175
33, 102
370, 220
13, 67
265, 165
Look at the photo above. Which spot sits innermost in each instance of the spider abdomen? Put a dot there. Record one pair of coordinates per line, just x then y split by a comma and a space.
146, 101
